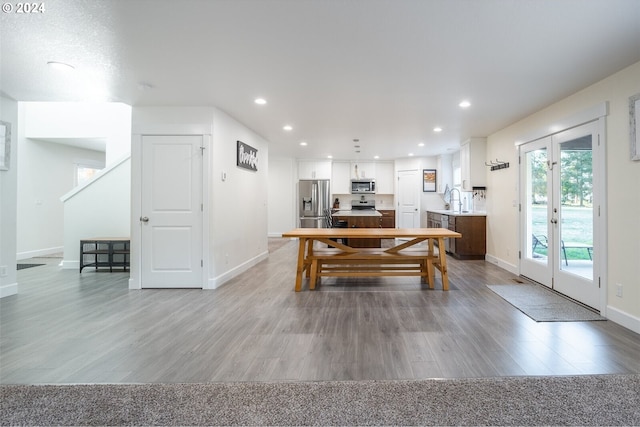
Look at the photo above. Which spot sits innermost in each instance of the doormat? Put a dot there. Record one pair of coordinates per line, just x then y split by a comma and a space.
23, 266
544, 305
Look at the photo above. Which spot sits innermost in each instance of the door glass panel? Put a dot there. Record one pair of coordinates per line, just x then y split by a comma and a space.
576, 207
536, 205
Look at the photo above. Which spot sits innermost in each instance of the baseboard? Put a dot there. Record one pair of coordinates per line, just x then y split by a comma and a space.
69, 264
39, 252
218, 281
8, 290
624, 319
502, 264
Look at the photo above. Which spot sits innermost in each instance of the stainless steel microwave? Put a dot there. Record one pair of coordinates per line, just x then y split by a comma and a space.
363, 186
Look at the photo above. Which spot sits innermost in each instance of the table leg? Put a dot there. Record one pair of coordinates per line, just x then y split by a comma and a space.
430, 267
443, 264
300, 267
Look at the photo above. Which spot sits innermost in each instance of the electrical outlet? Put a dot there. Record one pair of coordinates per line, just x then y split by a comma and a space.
3, 271
619, 290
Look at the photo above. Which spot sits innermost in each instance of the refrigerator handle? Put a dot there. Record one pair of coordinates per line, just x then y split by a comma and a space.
314, 198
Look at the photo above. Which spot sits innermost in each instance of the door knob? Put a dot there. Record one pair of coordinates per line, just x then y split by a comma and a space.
144, 219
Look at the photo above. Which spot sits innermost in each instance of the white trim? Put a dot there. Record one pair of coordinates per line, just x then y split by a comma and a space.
99, 175
511, 268
624, 319
180, 129
69, 264
8, 290
587, 115
39, 252
216, 282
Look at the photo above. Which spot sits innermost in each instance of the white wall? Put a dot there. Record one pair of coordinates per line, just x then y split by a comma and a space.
427, 200
282, 195
71, 120
8, 200
46, 172
238, 233
102, 208
237, 206
623, 196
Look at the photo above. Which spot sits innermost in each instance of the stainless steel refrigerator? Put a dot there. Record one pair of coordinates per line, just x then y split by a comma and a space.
314, 198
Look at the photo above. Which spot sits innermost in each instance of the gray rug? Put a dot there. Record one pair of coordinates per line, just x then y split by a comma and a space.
544, 305
23, 266
578, 400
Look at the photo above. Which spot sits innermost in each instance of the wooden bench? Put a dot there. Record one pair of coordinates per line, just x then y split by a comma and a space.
372, 263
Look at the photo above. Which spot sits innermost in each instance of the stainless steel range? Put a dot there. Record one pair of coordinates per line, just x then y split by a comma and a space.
363, 204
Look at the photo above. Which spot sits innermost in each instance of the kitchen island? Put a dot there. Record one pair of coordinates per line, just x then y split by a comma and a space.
361, 218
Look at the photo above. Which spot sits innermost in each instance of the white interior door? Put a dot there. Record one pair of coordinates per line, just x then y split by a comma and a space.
171, 212
558, 227
409, 199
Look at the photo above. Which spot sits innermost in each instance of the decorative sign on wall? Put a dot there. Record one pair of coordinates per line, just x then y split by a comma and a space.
247, 157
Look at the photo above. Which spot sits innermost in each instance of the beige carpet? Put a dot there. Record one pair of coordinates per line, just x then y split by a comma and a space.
577, 400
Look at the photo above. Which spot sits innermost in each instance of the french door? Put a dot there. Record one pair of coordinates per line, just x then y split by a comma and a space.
559, 229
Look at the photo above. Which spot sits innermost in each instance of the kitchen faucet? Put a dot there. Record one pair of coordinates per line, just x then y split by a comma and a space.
459, 199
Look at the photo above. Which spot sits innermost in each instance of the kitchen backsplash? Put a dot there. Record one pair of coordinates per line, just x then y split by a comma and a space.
382, 201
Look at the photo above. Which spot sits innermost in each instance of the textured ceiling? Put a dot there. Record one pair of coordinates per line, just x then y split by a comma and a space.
384, 71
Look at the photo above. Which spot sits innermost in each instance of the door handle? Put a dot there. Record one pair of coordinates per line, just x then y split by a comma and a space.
144, 219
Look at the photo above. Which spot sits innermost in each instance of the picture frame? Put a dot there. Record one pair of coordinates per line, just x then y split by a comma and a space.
429, 180
246, 156
5, 145
634, 122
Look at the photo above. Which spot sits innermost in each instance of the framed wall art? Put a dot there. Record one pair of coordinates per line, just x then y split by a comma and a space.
429, 180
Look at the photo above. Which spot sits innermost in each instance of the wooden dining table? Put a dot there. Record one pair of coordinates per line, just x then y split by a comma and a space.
315, 240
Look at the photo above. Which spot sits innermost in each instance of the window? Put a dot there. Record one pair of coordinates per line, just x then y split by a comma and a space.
85, 173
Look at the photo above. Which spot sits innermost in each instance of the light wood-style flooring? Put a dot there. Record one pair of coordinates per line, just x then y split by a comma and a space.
66, 327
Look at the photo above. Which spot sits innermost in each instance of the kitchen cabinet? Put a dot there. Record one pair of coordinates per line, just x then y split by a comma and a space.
384, 178
473, 171
365, 170
388, 218
314, 169
361, 221
341, 178
473, 244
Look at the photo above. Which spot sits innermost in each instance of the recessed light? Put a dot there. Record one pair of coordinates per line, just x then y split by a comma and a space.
465, 104
410, 154
287, 127
61, 66
303, 144
376, 157
437, 129
329, 156
260, 101
421, 144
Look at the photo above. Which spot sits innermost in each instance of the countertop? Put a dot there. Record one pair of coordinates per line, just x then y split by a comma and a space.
357, 212
456, 213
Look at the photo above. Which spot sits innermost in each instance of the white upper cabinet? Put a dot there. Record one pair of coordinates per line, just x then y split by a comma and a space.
472, 168
384, 178
314, 169
362, 170
341, 178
